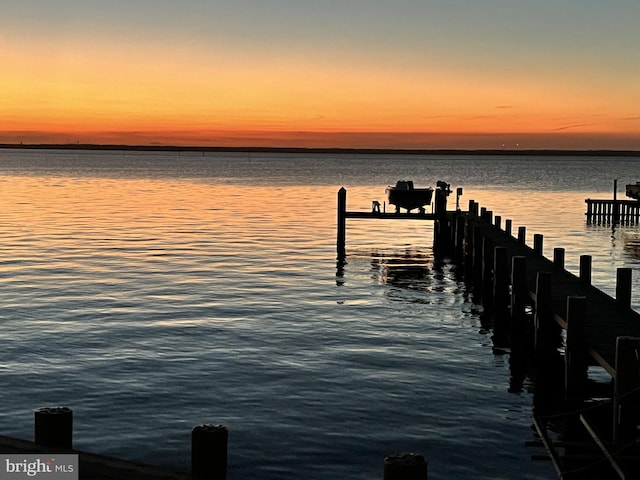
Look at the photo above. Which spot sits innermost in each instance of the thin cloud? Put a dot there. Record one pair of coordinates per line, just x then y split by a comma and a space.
569, 127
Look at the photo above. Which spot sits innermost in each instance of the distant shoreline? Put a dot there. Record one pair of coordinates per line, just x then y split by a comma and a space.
329, 150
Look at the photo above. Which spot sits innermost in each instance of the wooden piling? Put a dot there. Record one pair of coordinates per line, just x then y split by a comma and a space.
407, 466
468, 253
342, 223
487, 275
461, 222
626, 397
498, 221
576, 348
501, 296
546, 329
508, 223
53, 427
558, 257
522, 235
623, 287
519, 291
477, 263
538, 241
585, 269
209, 452
473, 208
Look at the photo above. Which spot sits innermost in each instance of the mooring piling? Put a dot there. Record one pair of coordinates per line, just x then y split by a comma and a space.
209, 445
342, 223
623, 286
53, 427
405, 466
585, 269
626, 396
528, 300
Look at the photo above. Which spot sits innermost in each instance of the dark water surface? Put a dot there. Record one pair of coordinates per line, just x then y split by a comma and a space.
151, 292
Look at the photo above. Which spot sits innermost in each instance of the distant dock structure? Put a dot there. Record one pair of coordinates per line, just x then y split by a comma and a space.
556, 326
403, 195
615, 212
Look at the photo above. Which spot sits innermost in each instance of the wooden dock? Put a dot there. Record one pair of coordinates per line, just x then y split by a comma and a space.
533, 303
509, 278
613, 212
605, 318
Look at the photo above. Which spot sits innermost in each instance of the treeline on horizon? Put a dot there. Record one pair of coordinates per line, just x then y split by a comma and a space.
388, 151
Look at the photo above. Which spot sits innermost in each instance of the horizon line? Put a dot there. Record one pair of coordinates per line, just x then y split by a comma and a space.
283, 149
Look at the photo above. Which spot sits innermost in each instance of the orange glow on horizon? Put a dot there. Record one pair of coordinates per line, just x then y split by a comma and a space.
98, 94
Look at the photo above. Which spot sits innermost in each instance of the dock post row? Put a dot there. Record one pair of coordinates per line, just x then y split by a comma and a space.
53, 434
528, 300
600, 331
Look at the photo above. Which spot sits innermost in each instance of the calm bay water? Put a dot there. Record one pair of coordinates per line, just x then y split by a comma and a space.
151, 292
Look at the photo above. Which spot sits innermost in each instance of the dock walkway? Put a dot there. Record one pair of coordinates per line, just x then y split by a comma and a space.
605, 318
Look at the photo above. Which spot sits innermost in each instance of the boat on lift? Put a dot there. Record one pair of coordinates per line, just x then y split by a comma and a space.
633, 190
405, 195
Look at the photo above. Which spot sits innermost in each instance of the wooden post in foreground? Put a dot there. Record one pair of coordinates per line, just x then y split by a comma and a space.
558, 257
626, 396
407, 466
53, 427
585, 269
209, 452
623, 287
508, 223
538, 241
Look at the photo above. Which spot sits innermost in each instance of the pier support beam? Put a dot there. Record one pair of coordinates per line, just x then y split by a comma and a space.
547, 331
461, 225
477, 264
501, 298
626, 396
576, 360
519, 292
487, 276
623, 287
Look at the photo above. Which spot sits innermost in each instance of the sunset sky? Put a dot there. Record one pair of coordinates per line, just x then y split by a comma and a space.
345, 73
